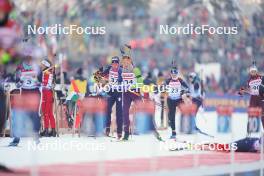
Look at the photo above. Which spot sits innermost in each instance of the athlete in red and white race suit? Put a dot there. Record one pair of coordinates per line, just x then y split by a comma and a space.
47, 99
253, 84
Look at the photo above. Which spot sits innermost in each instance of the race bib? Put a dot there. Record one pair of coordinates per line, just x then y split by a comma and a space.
174, 91
113, 77
128, 79
29, 80
254, 86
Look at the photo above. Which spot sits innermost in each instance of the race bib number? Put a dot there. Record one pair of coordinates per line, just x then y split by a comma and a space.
174, 89
113, 77
254, 86
128, 79
29, 79
28, 82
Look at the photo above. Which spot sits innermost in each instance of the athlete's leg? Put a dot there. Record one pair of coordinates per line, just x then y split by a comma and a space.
126, 106
110, 103
44, 107
171, 115
119, 113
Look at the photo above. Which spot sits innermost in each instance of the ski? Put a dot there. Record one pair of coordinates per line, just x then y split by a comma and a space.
178, 149
203, 133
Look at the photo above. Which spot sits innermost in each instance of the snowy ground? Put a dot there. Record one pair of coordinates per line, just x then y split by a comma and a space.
76, 150
68, 149
73, 150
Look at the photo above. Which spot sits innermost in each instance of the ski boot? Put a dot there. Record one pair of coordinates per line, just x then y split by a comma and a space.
53, 133
15, 142
173, 135
45, 133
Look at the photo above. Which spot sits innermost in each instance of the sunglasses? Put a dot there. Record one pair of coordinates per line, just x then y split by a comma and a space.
174, 72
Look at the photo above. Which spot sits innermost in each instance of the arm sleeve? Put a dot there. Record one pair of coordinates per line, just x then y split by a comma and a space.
196, 86
138, 75
18, 74
167, 81
184, 84
120, 78
185, 87
40, 75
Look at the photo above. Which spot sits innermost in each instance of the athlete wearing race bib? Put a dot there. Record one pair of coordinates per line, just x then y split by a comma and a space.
175, 89
131, 78
27, 79
195, 88
47, 99
254, 86
114, 96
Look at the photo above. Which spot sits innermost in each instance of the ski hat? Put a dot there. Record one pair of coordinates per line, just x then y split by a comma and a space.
115, 59
192, 75
253, 68
46, 63
125, 50
5, 6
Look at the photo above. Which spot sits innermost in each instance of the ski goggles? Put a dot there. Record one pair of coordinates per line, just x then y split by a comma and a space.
115, 59
174, 72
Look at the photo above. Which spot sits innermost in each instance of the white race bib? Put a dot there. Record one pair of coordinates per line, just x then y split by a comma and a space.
128, 79
113, 77
174, 89
254, 86
29, 79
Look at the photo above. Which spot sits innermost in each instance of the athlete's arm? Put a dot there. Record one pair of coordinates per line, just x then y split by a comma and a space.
138, 75
120, 78
196, 86
185, 87
18, 74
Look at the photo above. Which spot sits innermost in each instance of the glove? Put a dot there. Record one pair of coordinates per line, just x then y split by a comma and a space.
137, 72
241, 91
19, 84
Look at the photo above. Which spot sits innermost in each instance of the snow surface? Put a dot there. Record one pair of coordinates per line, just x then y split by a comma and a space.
83, 149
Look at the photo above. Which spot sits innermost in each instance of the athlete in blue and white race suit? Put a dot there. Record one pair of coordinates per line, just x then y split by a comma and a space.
195, 88
114, 96
196, 93
25, 123
175, 88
